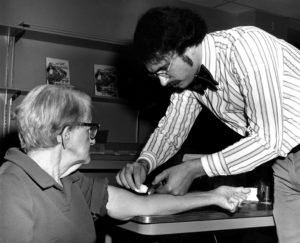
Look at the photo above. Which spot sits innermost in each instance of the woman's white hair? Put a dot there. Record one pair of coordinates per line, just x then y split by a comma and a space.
46, 111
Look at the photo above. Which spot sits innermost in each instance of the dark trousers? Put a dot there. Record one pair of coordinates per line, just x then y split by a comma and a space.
287, 197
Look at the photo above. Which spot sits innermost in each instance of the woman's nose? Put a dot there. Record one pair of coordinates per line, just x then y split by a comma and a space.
92, 141
163, 80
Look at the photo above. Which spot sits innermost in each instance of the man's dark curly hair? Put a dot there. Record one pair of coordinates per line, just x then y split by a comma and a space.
162, 30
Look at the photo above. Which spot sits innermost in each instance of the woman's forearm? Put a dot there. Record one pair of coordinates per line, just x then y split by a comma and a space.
164, 204
124, 205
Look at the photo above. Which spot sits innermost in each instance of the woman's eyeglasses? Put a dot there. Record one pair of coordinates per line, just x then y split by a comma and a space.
93, 128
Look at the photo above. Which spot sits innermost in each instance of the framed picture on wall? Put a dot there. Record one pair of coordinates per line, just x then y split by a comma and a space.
57, 71
105, 77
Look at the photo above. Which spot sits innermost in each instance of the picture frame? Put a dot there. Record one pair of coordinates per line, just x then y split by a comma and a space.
57, 71
105, 79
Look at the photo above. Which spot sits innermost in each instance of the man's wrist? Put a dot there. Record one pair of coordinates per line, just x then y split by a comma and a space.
197, 168
145, 164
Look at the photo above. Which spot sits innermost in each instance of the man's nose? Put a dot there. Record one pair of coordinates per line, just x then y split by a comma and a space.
163, 80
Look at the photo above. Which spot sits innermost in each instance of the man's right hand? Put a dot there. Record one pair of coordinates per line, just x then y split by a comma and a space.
133, 175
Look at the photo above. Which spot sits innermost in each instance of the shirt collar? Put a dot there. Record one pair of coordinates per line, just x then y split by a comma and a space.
209, 54
32, 169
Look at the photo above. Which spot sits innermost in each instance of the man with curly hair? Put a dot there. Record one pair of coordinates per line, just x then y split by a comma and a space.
249, 79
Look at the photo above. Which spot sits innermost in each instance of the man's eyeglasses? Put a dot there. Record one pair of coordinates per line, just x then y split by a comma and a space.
93, 128
162, 73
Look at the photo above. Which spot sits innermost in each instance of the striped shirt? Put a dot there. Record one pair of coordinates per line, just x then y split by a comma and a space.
258, 95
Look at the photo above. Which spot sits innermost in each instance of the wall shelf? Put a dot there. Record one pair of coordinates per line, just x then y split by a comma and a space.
94, 98
13, 91
110, 100
62, 37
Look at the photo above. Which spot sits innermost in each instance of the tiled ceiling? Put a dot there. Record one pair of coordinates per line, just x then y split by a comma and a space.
287, 8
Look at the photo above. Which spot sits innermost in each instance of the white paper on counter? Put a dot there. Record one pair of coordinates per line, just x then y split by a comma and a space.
252, 196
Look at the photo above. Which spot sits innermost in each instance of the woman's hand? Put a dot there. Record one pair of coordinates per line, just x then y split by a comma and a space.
230, 198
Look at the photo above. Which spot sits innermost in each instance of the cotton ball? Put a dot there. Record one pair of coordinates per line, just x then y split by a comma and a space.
142, 189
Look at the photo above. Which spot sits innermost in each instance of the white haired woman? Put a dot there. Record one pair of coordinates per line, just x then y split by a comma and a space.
43, 196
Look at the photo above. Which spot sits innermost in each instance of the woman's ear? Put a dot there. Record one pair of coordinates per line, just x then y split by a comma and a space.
64, 137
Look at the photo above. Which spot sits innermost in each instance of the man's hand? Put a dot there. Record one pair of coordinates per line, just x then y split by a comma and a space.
179, 178
133, 175
230, 198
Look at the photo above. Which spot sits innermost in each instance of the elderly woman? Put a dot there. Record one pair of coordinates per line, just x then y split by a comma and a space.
43, 196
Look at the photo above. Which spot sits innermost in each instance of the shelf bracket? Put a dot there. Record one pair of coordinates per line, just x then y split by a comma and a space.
17, 33
7, 110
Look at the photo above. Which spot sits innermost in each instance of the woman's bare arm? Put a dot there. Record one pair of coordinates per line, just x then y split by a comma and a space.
123, 204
